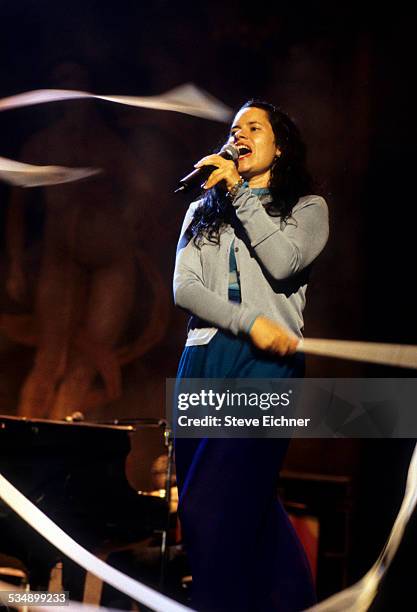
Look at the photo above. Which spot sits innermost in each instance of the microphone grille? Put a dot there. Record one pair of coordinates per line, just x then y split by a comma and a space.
230, 150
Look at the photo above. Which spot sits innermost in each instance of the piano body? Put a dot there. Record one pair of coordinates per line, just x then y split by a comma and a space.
75, 473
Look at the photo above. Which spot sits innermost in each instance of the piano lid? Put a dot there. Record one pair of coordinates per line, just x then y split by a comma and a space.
6, 420
75, 473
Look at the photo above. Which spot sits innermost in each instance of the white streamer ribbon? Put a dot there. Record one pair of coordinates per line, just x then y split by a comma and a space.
187, 99
28, 175
401, 355
56, 536
360, 596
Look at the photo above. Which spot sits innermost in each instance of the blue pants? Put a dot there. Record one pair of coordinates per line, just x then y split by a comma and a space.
243, 550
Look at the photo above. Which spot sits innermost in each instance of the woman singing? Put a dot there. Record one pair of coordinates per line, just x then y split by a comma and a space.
242, 267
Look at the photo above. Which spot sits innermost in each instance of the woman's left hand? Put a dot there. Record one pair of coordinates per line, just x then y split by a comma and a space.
225, 171
269, 336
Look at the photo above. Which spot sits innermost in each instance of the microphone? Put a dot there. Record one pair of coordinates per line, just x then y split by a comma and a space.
200, 175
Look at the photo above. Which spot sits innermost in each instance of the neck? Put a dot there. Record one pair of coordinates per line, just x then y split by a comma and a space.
260, 180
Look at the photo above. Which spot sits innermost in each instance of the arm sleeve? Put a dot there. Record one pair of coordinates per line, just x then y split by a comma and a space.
190, 292
284, 251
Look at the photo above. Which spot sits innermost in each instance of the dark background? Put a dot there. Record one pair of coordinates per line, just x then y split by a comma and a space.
344, 72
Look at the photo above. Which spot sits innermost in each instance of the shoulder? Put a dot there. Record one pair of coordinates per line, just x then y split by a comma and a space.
194, 205
189, 216
311, 200
192, 208
310, 212
312, 208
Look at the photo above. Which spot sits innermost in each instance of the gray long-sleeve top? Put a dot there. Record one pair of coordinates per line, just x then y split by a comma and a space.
273, 260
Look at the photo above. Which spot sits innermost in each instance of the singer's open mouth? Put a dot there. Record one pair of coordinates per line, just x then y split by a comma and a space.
244, 151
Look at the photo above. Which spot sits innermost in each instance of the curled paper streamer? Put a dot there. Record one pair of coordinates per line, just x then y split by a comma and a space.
187, 99
67, 545
400, 355
28, 175
360, 596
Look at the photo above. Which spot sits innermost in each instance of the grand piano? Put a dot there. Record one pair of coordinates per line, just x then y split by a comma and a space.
75, 473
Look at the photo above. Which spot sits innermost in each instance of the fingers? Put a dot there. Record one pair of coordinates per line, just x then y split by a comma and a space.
276, 339
291, 345
281, 348
269, 336
215, 177
212, 160
227, 174
280, 345
225, 171
284, 344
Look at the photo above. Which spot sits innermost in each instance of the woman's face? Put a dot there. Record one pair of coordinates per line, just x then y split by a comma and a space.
252, 133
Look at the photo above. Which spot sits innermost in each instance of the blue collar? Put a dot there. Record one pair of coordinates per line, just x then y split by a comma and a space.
261, 190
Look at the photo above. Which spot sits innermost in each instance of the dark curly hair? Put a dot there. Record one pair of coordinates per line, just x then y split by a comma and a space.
289, 180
